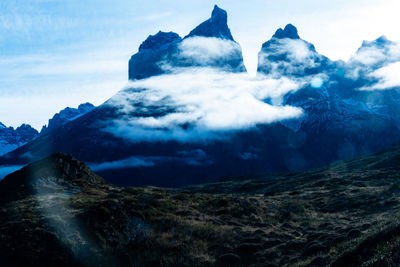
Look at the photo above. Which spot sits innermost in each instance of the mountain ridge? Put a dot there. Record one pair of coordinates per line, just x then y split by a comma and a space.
339, 120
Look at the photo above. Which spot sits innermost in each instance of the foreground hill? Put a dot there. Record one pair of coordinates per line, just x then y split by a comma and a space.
58, 212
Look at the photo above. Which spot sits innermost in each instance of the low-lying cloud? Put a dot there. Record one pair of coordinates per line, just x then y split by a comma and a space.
207, 50
388, 77
377, 63
288, 57
192, 158
198, 103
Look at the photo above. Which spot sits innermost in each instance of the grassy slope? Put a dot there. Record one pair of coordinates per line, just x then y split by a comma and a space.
344, 215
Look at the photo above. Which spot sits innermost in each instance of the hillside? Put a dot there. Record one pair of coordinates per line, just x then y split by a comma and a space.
57, 212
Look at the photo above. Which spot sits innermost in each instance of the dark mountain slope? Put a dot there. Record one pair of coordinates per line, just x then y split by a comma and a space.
56, 211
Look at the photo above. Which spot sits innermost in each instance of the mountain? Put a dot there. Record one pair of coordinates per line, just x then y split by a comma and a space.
337, 113
56, 211
216, 26
286, 54
66, 115
152, 51
11, 138
210, 44
198, 121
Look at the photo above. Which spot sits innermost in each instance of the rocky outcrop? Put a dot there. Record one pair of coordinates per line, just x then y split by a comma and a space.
216, 26
149, 60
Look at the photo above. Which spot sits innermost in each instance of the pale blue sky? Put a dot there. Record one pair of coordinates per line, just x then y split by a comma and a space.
58, 53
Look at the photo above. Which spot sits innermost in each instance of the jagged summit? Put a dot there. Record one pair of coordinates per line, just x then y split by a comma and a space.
289, 31
66, 115
11, 138
161, 52
159, 40
216, 26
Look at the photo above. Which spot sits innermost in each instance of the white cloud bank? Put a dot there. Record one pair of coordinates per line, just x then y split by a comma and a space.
208, 50
388, 76
194, 104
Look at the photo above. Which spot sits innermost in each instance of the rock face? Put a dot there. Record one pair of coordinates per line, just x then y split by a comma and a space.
216, 26
289, 31
166, 52
148, 61
66, 115
11, 138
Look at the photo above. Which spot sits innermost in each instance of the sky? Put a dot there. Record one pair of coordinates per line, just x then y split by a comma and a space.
57, 53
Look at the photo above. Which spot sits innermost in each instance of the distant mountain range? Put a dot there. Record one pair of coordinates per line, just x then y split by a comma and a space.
191, 114
11, 138
66, 115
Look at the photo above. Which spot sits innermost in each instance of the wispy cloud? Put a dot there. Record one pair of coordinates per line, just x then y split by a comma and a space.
288, 57
194, 104
191, 157
377, 63
388, 77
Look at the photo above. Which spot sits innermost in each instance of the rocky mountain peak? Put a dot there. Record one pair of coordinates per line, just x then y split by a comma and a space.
159, 41
66, 115
216, 26
289, 31
219, 14
381, 43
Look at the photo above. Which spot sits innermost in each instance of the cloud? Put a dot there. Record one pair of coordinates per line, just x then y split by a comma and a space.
368, 56
193, 104
376, 53
287, 57
207, 50
377, 63
124, 163
388, 77
191, 157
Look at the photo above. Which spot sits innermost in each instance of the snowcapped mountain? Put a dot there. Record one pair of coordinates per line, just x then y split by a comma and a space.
191, 113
